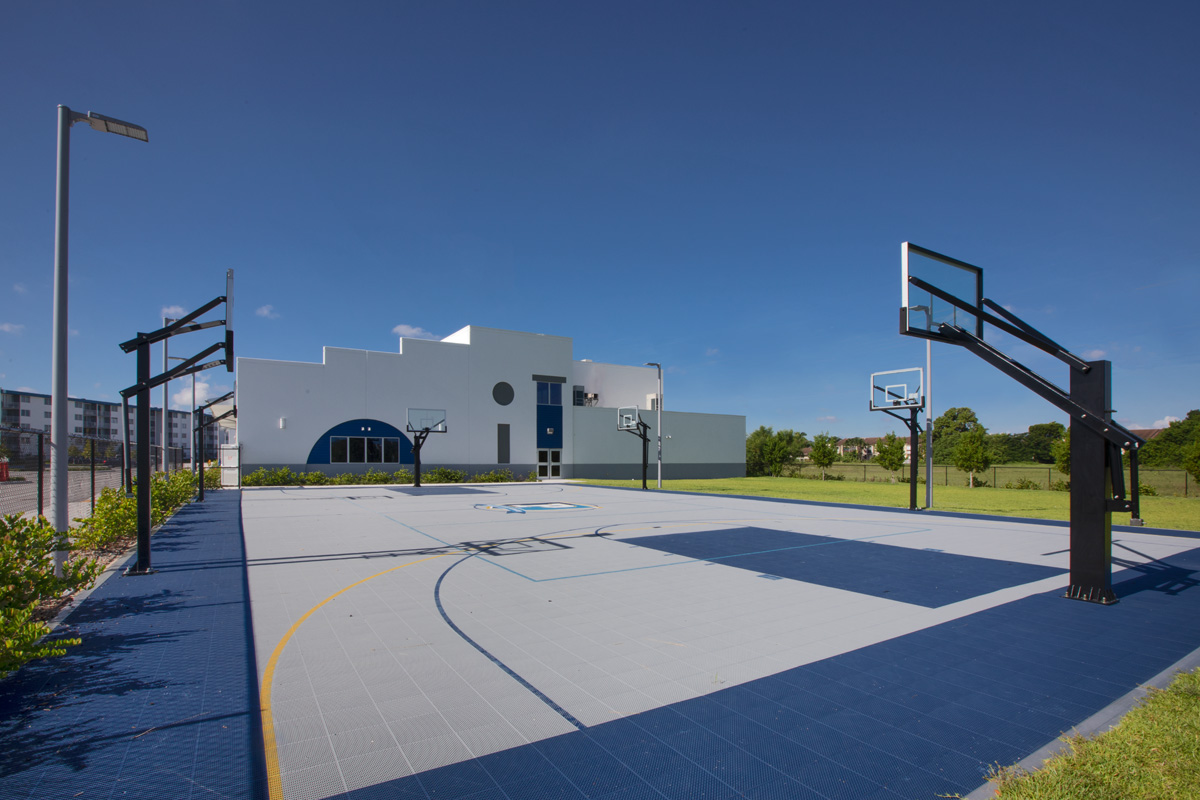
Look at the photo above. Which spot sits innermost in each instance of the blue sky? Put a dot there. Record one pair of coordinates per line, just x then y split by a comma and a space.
721, 187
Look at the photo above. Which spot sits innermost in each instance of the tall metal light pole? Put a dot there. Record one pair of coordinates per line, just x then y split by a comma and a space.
929, 425
192, 416
166, 425
658, 425
60, 517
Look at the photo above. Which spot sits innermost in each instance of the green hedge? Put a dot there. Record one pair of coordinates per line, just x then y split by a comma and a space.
27, 549
285, 476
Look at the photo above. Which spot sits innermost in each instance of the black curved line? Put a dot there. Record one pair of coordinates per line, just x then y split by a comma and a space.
437, 599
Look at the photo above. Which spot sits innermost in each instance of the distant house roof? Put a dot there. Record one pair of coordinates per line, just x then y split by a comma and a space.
1147, 433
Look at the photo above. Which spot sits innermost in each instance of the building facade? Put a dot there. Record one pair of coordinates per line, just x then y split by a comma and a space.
95, 419
512, 400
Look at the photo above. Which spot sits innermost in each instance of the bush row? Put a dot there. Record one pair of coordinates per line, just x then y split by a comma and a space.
27, 548
285, 476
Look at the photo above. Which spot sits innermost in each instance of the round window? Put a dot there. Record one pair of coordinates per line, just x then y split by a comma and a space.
503, 393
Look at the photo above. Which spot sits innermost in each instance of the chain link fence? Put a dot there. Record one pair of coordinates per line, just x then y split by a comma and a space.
93, 465
1166, 482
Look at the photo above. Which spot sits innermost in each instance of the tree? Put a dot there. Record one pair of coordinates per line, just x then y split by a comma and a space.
756, 445
1009, 447
971, 454
1041, 439
767, 451
824, 452
946, 430
1168, 448
1191, 459
891, 454
855, 444
1062, 453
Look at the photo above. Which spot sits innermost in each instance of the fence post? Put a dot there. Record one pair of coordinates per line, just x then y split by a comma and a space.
41, 474
994, 484
92, 447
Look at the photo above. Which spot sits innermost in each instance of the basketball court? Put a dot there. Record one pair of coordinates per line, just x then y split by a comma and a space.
557, 640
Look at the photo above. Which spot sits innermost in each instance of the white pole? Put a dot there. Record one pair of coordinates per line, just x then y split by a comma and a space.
659, 424
928, 424
59, 514
166, 426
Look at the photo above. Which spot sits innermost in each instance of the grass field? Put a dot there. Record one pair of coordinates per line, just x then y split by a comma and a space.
1154, 754
1180, 513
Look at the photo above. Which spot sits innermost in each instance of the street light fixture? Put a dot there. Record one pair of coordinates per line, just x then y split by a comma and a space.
58, 388
658, 425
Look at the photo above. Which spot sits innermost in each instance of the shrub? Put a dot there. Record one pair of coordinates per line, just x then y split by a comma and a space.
816, 476
114, 519
402, 476
27, 579
1023, 483
495, 476
212, 478
1060, 486
443, 475
373, 475
314, 478
1146, 490
532, 477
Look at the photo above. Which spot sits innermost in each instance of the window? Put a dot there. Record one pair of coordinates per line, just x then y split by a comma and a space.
24, 412
550, 394
363, 450
47, 414
578, 395
78, 417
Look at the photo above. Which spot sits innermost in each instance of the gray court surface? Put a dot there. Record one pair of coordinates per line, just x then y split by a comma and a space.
555, 640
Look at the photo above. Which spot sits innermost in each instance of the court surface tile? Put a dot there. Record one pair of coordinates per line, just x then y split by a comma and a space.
563, 641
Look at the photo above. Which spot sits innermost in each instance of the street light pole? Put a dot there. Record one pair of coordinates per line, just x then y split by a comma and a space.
658, 425
60, 516
192, 415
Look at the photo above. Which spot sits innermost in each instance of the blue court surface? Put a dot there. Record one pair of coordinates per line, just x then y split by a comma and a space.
561, 641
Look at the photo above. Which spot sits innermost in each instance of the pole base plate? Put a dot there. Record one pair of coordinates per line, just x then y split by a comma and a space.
1091, 594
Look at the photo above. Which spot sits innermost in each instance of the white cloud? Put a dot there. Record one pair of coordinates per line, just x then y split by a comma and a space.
267, 312
173, 312
412, 332
712, 351
28, 389
74, 331
830, 418
11, 327
181, 400
1165, 422
1094, 355
20, 288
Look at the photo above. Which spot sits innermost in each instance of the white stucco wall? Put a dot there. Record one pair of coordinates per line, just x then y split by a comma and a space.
458, 374
700, 445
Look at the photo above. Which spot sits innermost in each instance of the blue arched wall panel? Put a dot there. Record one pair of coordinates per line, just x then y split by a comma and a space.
360, 427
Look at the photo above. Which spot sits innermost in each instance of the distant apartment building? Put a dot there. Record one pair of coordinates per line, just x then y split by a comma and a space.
98, 419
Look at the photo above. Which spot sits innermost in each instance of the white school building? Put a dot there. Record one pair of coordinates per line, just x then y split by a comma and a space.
513, 400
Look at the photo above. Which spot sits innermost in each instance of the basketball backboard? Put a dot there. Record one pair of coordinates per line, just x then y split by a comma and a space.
898, 389
427, 420
627, 418
923, 308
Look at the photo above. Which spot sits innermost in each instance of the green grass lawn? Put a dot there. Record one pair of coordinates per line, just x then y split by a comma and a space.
1180, 513
1154, 754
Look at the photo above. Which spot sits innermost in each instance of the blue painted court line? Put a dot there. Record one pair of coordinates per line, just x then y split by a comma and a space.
161, 698
918, 716
437, 598
921, 577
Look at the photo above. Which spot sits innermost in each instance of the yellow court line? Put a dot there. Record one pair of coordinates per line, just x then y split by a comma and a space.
274, 785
